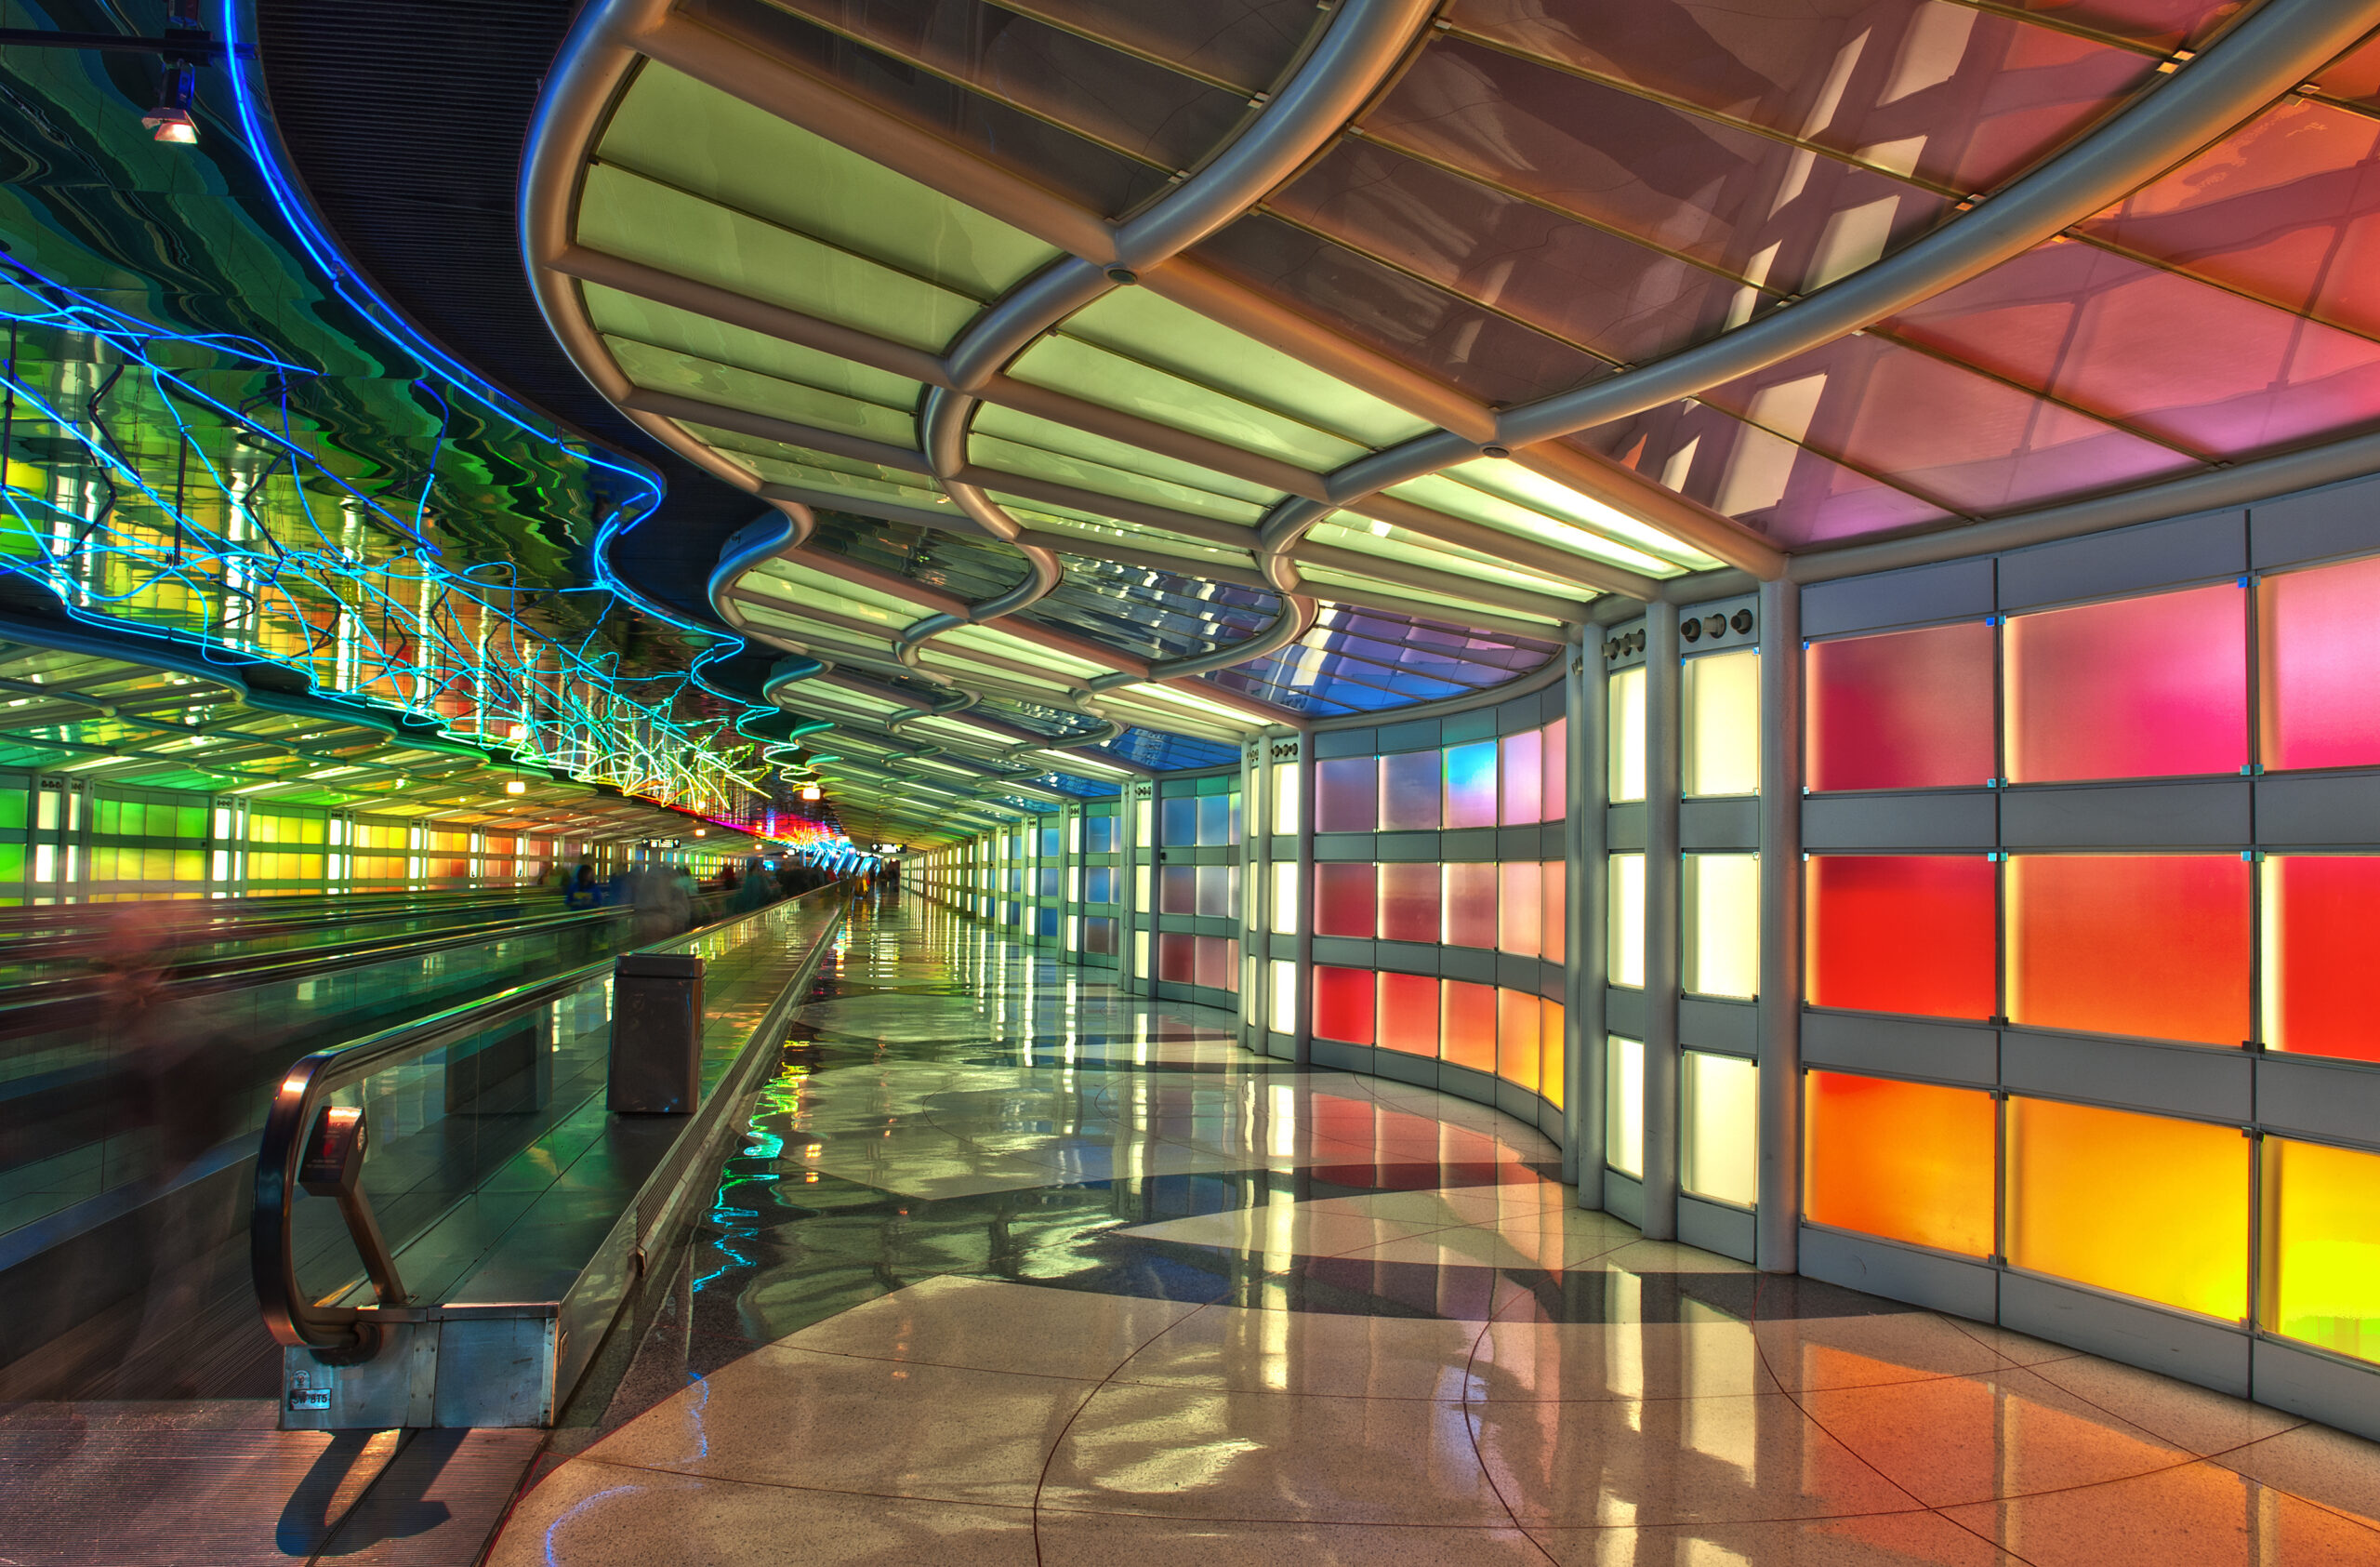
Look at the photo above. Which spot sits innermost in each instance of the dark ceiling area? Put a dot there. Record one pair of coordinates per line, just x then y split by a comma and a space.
407, 120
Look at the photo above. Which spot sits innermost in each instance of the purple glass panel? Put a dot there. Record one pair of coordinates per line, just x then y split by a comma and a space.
1790, 493
2099, 330
1344, 799
1471, 896
1177, 889
1408, 902
1408, 791
1524, 768
1344, 895
1470, 784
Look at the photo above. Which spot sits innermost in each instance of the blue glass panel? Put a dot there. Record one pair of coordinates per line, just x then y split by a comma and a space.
1217, 821
1080, 787
1177, 823
1099, 885
1099, 835
1168, 753
1362, 661
1152, 614
1050, 886
1049, 843
1045, 922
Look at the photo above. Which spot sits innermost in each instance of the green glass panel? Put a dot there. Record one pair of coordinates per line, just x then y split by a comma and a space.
1081, 369
625, 215
1000, 645
189, 821
1412, 550
12, 862
1451, 605
800, 586
1505, 478
662, 370
1143, 326
625, 315
699, 138
1441, 494
106, 816
999, 456
12, 806
1064, 440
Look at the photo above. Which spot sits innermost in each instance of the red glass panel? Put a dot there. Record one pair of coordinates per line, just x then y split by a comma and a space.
1408, 791
1522, 909
1470, 905
1555, 793
1177, 889
1467, 1025
1553, 923
1905, 933
1408, 1013
2322, 920
1177, 958
1907, 709
2320, 655
1343, 1004
1344, 894
1519, 1020
2144, 687
1344, 795
1408, 902
2154, 945
1523, 766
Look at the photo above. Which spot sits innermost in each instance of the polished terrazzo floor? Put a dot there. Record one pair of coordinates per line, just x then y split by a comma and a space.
1015, 1269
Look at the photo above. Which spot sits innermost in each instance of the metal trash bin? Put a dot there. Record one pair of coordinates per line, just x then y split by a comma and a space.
656, 1034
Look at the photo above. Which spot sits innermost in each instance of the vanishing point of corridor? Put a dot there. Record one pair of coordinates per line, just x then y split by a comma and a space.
1013, 1267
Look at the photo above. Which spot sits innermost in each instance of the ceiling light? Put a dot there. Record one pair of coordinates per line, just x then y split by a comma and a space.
514, 786
170, 120
810, 791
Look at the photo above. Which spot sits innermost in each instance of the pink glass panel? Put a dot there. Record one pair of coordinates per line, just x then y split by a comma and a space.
1343, 1004
1216, 963
1344, 797
2320, 661
1177, 889
2152, 945
2325, 916
2096, 329
1519, 1019
1793, 494
1524, 761
1408, 1013
1523, 906
1905, 710
1408, 791
1470, 905
1470, 784
1555, 791
1467, 1025
1177, 958
1553, 923
1408, 902
2144, 687
1343, 897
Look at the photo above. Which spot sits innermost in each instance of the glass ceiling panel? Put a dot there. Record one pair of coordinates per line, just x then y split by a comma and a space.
677, 131
1964, 97
807, 630
2164, 23
626, 316
1168, 753
951, 562
848, 477
1106, 95
1098, 177
1502, 476
989, 451
1245, 44
1456, 498
625, 215
2354, 77
1458, 564
801, 585
1064, 440
997, 644
1689, 184
662, 370
1077, 368
1365, 661
2100, 330
1320, 581
1155, 614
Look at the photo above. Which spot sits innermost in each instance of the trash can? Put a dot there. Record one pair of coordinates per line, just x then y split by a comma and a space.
656, 1034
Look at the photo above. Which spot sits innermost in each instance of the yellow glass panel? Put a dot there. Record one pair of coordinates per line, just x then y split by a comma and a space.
1625, 696
1624, 959
1720, 739
2140, 1204
1720, 1156
2323, 1246
1284, 897
1554, 1071
1721, 910
1284, 798
1623, 1105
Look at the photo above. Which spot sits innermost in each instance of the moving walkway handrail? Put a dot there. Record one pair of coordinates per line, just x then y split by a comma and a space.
220, 919
297, 1125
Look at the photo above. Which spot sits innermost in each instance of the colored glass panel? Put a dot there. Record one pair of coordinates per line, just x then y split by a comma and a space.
2144, 687
1553, 918
2153, 945
2323, 1246
1553, 1056
1177, 958
1554, 788
1625, 696
1099, 935
1624, 929
1720, 739
1471, 898
1905, 710
1467, 1025
2322, 924
1216, 963
1409, 896
1284, 798
1521, 908
1907, 1161
1177, 890
1518, 1046
1218, 821
1905, 933
1623, 1105
2319, 644
1284, 1017
1408, 1013
1099, 835
1344, 798
1177, 823
1408, 791
1524, 784
1719, 1152
1285, 897
1470, 784
1343, 1004
2140, 1204
1218, 890
1345, 896
1721, 911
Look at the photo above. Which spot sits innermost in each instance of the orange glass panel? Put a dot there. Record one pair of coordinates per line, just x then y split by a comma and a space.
1408, 1013
2146, 687
2154, 945
1904, 932
1907, 1161
1521, 906
2321, 918
1408, 901
1518, 1023
1555, 793
1553, 923
2319, 654
2323, 1246
1472, 893
1553, 1056
2139, 1204
1467, 1025
1905, 710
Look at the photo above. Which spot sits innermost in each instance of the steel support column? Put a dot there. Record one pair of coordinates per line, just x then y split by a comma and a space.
1663, 679
1778, 1235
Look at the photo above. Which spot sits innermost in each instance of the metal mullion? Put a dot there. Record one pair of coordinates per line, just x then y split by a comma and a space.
1025, 8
